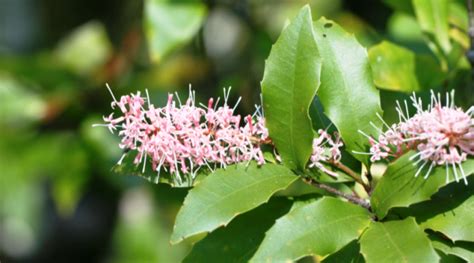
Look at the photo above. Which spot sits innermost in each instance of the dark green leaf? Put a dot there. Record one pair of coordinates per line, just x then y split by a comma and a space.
169, 25
401, 5
464, 250
319, 228
446, 211
224, 194
397, 241
457, 224
290, 81
347, 91
400, 188
238, 241
348, 254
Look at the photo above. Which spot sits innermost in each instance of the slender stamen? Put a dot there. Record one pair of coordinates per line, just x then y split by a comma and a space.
429, 170
462, 173
110, 91
455, 172
421, 168
363, 133
447, 173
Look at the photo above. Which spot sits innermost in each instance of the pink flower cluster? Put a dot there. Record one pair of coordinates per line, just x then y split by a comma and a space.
183, 138
325, 149
441, 135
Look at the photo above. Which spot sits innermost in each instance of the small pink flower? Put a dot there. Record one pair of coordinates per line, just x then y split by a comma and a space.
325, 149
441, 135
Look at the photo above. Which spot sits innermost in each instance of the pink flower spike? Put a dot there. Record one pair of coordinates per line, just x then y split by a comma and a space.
181, 138
442, 135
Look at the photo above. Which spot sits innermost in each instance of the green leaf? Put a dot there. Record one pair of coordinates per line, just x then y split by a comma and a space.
168, 25
19, 105
318, 228
290, 81
397, 241
399, 69
347, 91
348, 254
457, 224
400, 188
85, 50
432, 15
459, 21
238, 241
224, 194
446, 211
464, 250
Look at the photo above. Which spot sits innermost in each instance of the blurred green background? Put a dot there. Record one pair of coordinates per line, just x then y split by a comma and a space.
60, 202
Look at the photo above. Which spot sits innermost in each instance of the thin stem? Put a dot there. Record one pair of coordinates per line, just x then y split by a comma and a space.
352, 174
351, 198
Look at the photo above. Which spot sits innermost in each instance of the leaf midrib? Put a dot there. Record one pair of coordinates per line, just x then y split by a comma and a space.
387, 234
342, 77
293, 80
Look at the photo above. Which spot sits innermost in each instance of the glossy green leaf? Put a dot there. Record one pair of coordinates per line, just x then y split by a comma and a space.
432, 15
446, 211
319, 228
464, 250
397, 241
238, 241
347, 91
400, 188
290, 81
348, 254
457, 224
224, 194
399, 69
168, 25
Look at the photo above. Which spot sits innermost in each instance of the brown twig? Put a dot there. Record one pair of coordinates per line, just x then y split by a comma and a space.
352, 174
351, 198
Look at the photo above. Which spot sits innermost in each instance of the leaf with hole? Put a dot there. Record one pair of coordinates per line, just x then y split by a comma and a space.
347, 91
